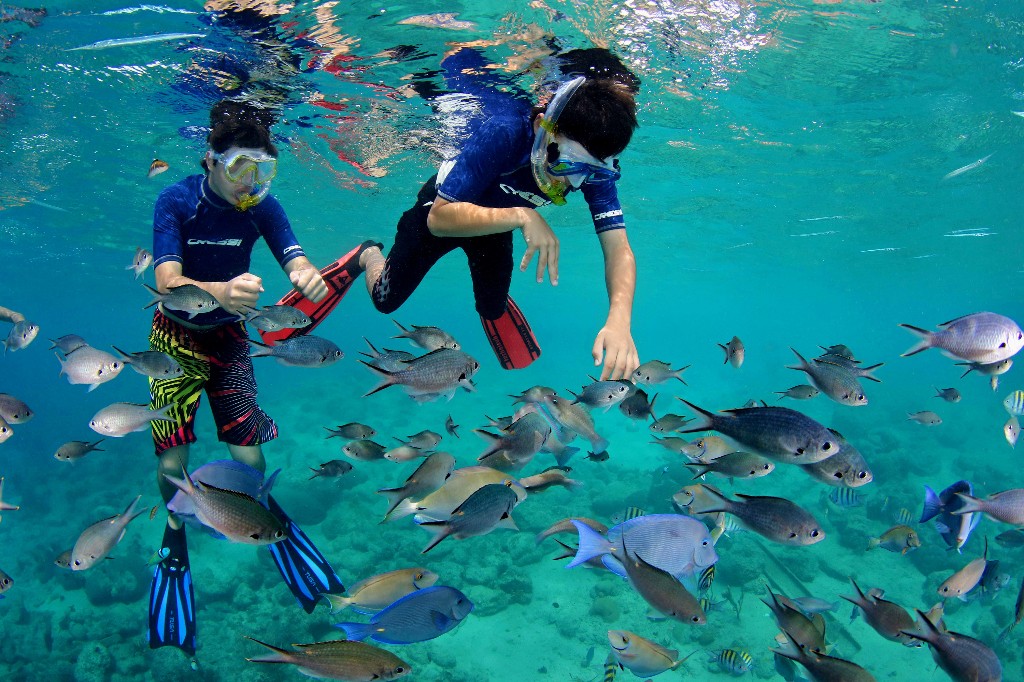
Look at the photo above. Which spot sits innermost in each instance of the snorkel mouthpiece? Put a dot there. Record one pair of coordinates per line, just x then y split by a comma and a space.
555, 190
253, 198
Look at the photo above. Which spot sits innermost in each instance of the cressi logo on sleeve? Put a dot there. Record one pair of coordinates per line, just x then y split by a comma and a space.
296, 247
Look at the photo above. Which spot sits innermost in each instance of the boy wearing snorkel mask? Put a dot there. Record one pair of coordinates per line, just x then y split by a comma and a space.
204, 230
516, 162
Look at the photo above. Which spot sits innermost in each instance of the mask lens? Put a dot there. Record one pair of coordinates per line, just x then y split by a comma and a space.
246, 169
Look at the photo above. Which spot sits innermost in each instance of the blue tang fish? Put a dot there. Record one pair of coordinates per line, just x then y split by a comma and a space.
954, 528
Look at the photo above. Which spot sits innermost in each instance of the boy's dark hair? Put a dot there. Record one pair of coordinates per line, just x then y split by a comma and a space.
601, 116
236, 124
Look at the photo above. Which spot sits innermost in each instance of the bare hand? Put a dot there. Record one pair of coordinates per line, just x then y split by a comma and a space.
309, 283
619, 352
240, 292
540, 239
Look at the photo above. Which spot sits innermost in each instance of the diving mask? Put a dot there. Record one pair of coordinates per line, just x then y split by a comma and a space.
555, 189
574, 163
247, 166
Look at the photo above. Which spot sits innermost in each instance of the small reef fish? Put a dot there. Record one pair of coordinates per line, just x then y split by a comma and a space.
271, 318
439, 505
774, 518
1011, 538
657, 372
733, 465
966, 579
300, 351
925, 417
566, 526
1006, 506
732, 661
382, 590
981, 337
20, 336
661, 590
120, 419
808, 632
576, 418
5, 582
14, 410
390, 360
780, 433
68, 343
89, 366
439, 20
1011, 431
137, 40
430, 475
847, 468
1018, 614
152, 363
483, 511
338, 660
5, 430
142, 260
424, 440
5, 506
735, 352
331, 469
549, 478
641, 656
235, 515
969, 167
950, 395
364, 450
351, 431
667, 423
404, 453
943, 507
821, 666
76, 449
611, 667
846, 498
961, 656
903, 517
900, 539
1014, 403
156, 168
187, 298
419, 616
838, 382
427, 338
534, 394
604, 394
677, 544
96, 541
438, 373
451, 427
799, 392
636, 406
63, 559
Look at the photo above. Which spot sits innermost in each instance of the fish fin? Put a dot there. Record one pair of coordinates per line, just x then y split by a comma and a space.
356, 632
932, 505
172, 617
592, 544
395, 496
305, 570
441, 530
441, 621
865, 373
388, 378
507, 522
156, 294
704, 424
968, 504
337, 602
569, 551
804, 365
614, 565
942, 528
563, 457
923, 344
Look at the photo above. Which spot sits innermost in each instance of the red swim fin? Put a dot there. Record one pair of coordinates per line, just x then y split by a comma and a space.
338, 276
511, 338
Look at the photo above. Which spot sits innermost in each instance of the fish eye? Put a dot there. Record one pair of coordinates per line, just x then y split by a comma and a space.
695, 619
862, 474
839, 474
78, 562
826, 446
704, 544
815, 533
792, 535
767, 467
799, 451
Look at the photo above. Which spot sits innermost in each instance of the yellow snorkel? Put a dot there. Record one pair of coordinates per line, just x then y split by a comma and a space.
554, 188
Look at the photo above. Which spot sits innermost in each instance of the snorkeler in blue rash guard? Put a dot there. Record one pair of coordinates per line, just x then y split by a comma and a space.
516, 161
204, 229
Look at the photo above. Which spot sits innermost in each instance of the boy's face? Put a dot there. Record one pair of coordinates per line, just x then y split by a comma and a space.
240, 174
574, 165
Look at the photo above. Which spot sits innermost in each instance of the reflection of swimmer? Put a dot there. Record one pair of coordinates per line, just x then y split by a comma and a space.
516, 161
204, 230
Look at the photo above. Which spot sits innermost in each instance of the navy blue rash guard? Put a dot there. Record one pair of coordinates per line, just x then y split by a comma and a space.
493, 170
213, 240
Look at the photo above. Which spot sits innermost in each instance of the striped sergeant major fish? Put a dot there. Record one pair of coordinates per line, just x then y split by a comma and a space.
611, 667
733, 661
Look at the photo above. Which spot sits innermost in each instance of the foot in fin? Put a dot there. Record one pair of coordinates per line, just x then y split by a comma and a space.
511, 338
305, 570
172, 615
338, 276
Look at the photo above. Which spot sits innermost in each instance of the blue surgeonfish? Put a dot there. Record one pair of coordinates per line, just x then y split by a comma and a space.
416, 617
954, 528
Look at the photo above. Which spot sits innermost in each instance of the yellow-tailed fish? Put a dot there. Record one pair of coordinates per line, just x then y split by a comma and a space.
157, 167
380, 591
338, 660
642, 656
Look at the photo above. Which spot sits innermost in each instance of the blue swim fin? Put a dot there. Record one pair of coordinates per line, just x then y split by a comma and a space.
172, 615
305, 570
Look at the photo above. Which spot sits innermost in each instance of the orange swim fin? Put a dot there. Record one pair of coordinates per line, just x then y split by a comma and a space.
338, 276
511, 338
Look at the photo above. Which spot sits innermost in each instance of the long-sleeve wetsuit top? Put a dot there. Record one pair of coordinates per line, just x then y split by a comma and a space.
493, 170
212, 239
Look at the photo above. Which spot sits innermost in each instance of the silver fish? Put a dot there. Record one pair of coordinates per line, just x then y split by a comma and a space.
966, 579
575, 417
735, 352
5, 582
89, 366
657, 372
636, 405
300, 351
1011, 430
364, 450
76, 449
6, 506
481, 513
992, 369
677, 544
799, 392
980, 337
926, 417
390, 360
774, 518
5, 430
332, 469
380, 591
439, 372
68, 343
404, 453
14, 410
236, 516
187, 298
603, 394
451, 427
548, 478
668, 423
950, 395
424, 440
428, 477
780, 433
1006, 506
427, 338
641, 656
274, 317
96, 541
119, 419
733, 465
534, 394
20, 335
352, 431
142, 260
835, 381
152, 363
517, 444
847, 468
338, 660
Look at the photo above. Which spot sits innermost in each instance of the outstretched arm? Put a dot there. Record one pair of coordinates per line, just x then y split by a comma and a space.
306, 278
8, 315
614, 343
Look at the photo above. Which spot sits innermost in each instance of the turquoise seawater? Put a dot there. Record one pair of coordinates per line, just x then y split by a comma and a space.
792, 183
